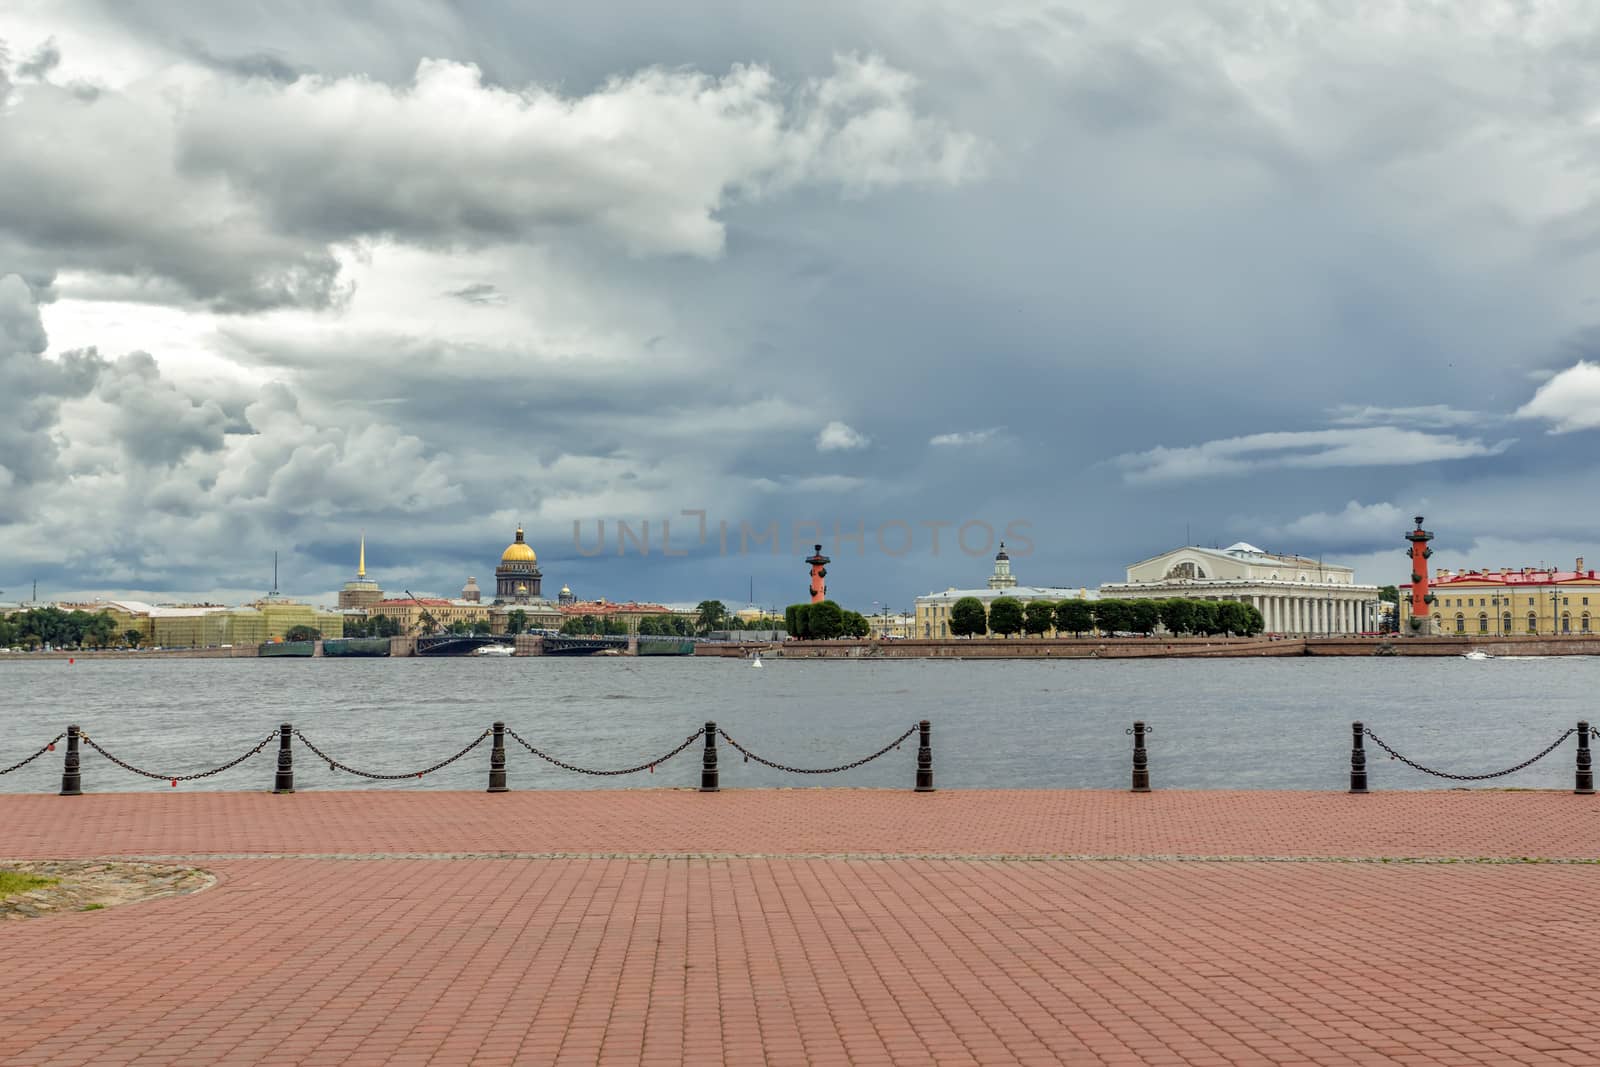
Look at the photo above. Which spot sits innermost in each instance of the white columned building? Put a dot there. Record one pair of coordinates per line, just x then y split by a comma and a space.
1294, 594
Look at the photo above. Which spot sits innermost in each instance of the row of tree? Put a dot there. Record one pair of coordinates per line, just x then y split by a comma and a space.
824, 621
1007, 616
379, 625
64, 629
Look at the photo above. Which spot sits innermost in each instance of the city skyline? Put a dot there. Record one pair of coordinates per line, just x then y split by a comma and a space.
1135, 279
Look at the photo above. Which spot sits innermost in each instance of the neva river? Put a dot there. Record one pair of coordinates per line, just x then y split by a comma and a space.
1219, 724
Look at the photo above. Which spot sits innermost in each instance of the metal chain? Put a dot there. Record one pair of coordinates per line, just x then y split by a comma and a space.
176, 778
1469, 777
651, 765
748, 755
335, 765
49, 746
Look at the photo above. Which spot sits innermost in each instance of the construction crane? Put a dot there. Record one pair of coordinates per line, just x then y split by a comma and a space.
426, 614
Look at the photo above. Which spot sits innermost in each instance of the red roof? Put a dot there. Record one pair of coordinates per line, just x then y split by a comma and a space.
605, 607
427, 602
1519, 577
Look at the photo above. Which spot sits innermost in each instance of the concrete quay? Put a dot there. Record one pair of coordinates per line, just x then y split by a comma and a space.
817, 927
1163, 647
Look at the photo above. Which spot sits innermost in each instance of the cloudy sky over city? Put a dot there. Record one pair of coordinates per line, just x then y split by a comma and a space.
1112, 275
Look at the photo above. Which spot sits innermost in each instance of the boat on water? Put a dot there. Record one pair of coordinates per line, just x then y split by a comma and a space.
756, 662
494, 650
1476, 654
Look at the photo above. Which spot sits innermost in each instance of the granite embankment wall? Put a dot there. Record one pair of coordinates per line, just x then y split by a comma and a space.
1163, 648
241, 652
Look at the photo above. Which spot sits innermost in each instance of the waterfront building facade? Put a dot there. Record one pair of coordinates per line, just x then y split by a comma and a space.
1294, 594
931, 615
630, 613
410, 612
1507, 601
900, 624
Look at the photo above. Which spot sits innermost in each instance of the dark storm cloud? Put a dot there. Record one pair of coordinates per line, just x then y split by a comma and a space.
478, 293
44, 59
267, 65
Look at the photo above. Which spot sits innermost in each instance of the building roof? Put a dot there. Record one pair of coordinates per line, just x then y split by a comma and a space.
1020, 592
519, 551
1509, 577
410, 602
1244, 552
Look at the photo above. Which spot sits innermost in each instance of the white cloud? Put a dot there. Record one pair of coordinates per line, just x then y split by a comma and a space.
966, 438
1569, 401
837, 437
1429, 416
1357, 522
1377, 446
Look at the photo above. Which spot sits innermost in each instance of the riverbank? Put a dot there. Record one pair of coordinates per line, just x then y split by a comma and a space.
1164, 647
827, 926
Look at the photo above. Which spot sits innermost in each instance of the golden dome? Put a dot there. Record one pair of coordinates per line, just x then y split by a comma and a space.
565, 591
519, 551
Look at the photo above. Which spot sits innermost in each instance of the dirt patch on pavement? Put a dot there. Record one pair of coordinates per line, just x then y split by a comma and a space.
89, 885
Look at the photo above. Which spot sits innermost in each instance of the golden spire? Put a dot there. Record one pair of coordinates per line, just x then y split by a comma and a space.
361, 568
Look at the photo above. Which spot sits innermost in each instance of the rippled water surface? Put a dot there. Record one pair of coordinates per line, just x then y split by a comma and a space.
1219, 724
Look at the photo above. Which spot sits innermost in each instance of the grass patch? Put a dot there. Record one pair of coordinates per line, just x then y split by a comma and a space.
92, 907
14, 882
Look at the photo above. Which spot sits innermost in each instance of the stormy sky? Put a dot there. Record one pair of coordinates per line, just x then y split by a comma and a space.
1110, 275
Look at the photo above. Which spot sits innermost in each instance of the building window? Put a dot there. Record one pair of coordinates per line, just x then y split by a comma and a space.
1461, 623
1586, 622
1566, 623
1505, 623
1530, 602
1563, 601
1483, 622
1533, 623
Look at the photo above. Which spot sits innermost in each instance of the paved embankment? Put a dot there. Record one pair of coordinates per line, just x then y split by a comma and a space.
816, 927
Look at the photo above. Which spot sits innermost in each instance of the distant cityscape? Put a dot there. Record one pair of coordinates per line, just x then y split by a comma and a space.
1289, 594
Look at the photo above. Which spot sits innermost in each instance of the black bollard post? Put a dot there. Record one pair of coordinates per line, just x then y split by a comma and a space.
1358, 759
497, 760
71, 777
284, 782
1583, 785
708, 763
1141, 760
924, 759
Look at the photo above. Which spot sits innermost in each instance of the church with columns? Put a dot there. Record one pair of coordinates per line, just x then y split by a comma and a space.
1295, 595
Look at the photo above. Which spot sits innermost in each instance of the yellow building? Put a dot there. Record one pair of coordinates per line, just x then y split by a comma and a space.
409, 613
932, 613
899, 625
1496, 603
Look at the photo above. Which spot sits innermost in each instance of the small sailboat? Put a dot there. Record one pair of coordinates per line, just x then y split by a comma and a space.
756, 662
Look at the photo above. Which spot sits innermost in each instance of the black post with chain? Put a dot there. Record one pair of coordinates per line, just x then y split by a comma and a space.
1141, 759
924, 758
71, 766
497, 760
1358, 758
708, 762
283, 782
1583, 783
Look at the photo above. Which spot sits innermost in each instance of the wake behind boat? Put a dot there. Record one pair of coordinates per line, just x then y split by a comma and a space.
1476, 654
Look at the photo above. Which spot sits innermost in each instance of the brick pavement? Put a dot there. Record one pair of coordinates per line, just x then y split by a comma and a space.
800, 957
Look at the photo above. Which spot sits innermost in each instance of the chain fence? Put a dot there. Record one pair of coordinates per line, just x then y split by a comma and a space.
50, 746
176, 778
335, 765
1472, 777
748, 755
650, 765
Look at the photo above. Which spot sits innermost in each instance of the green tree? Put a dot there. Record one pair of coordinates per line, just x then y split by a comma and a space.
516, 621
1112, 617
1074, 617
8, 632
856, 624
1233, 617
484, 626
1206, 620
302, 632
649, 626
381, 625
967, 617
130, 637
798, 621
99, 629
1177, 615
1389, 594
1143, 616
572, 626
710, 615
1005, 615
826, 620
427, 625
1038, 617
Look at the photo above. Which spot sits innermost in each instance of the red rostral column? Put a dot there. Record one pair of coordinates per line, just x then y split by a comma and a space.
1420, 553
819, 571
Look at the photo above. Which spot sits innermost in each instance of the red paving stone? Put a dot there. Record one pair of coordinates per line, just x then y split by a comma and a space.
1456, 823
804, 958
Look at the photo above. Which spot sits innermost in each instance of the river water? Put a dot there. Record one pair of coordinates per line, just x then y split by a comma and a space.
1219, 724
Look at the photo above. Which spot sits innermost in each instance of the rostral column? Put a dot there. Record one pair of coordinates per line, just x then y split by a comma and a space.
1421, 599
819, 571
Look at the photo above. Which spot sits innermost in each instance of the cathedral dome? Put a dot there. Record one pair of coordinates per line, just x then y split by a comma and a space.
519, 551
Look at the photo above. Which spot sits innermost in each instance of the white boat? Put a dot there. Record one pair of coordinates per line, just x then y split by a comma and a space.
756, 662
1476, 654
494, 650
